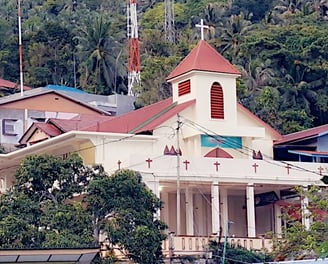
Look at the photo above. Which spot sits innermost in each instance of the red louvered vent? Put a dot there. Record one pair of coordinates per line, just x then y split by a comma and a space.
184, 87
217, 104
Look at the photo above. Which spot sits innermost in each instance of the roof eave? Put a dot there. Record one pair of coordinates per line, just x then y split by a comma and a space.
176, 76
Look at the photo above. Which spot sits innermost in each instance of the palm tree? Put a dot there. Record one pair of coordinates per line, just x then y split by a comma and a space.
296, 91
232, 33
258, 74
99, 54
296, 6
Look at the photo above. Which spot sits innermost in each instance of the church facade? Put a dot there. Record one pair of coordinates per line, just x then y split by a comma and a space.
208, 158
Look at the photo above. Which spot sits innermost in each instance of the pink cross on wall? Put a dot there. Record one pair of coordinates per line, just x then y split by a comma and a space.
216, 164
119, 164
149, 161
288, 167
320, 170
186, 162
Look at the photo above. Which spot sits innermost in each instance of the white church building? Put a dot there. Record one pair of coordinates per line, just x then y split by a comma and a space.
207, 157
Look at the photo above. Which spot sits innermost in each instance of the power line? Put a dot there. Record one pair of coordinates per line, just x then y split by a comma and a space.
244, 148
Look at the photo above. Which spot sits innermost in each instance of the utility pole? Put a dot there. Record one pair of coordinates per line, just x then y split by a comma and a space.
226, 240
20, 47
169, 21
178, 178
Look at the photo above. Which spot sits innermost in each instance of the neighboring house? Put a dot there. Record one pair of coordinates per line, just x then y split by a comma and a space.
18, 112
310, 145
208, 158
53, 127
8, 87
115, 104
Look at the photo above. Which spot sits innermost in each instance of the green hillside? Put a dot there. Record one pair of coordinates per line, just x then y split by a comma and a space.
279, 46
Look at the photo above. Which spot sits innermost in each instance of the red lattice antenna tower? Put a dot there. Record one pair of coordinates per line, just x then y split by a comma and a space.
134, 53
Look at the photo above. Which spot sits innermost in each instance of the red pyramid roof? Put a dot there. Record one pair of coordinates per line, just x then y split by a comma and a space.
203, 58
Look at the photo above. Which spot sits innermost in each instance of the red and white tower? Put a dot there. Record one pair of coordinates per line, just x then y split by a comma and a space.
134, 54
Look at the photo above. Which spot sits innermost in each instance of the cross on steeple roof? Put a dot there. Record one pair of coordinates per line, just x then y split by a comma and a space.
202, 27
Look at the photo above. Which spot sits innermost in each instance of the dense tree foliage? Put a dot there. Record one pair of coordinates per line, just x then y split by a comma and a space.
299, 242
124, 208
235, 254
35, 212
62, 203
279, 47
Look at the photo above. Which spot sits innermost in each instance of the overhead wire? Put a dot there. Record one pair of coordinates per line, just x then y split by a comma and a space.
103, 143
243, 148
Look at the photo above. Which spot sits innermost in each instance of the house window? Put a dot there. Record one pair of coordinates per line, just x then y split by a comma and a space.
184, 88
217, 103
9, 127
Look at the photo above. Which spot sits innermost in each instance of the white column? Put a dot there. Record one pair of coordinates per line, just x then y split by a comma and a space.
165, 209
189, 212
154, 186
277, 220
215, 207
99, 144
250, 210
306, 221
225, 216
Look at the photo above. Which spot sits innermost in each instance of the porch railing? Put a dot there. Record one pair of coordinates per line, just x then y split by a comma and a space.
185, 245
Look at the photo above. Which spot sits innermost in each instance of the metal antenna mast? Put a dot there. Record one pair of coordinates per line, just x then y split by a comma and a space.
20, 47
134, 54
169, 21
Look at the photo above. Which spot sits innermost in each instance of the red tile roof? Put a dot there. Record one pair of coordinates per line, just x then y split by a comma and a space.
12, 85
157, 121
301, 135
81, 122
203, 58
49, 129
135, 120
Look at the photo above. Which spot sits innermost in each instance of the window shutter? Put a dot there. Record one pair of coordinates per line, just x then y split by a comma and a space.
184, 88
217, 103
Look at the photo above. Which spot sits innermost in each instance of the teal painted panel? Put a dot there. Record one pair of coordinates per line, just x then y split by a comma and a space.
221, 141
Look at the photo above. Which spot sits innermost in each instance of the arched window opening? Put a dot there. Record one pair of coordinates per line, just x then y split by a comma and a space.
217, 102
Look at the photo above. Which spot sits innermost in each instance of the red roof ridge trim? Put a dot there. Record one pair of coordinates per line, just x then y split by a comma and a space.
148, 121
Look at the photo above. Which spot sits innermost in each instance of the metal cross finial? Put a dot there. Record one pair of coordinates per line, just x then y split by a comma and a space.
202, 27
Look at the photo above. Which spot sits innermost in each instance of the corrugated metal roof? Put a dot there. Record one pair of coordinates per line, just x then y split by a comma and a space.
12, 85
130, 121
162, 117
310, 153
82, 122
44, 90
49, 129
65, 89
301, 135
